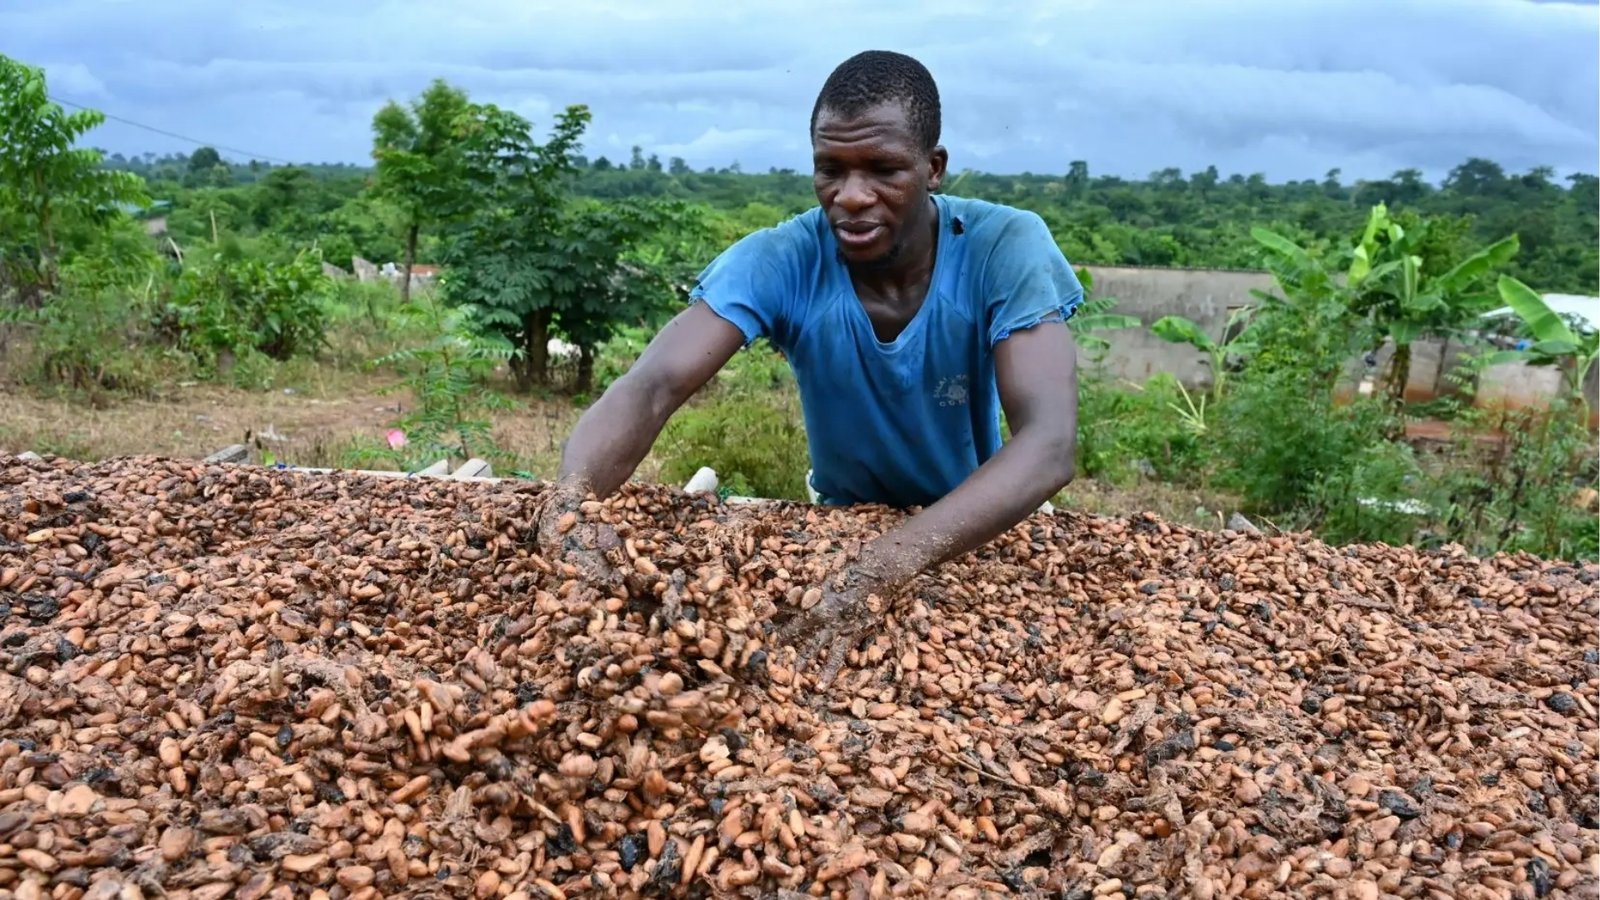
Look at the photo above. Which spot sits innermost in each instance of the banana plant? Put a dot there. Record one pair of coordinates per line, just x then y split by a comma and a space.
1390, 285
1555, 343
1093, 317
1180, 330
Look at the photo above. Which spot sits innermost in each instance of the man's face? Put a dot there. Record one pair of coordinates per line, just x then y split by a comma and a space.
873, 180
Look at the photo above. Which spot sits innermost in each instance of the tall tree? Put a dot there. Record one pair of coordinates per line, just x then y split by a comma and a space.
419, 163
46, 182
499, 261
204, 160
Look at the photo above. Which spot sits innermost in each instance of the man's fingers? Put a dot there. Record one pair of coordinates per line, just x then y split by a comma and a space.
837, 651
806, 649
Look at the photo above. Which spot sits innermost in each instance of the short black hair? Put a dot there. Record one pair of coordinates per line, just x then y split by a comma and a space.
883, 76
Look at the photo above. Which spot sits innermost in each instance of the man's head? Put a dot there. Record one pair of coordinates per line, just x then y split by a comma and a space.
876, 154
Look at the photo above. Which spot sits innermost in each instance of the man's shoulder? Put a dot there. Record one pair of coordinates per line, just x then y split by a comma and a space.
800, 234
987, 220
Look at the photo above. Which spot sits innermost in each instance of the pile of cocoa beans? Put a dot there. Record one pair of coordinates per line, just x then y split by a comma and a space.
234, 681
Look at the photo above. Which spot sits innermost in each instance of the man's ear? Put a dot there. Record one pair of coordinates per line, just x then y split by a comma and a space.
938, 162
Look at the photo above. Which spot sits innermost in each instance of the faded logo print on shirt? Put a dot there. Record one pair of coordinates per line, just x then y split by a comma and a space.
952, 391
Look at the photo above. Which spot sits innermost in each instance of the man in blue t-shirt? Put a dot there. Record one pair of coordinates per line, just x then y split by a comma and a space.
910, 320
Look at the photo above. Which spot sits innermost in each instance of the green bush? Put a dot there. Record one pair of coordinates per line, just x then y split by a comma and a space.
98, 340
748, 427
1377, 494
1515, 483
94, 334
1118, 428
1279, 434
227, 303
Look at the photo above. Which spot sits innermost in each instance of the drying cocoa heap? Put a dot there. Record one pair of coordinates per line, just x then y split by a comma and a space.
233, 681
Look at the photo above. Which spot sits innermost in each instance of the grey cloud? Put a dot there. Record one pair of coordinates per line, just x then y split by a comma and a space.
1288, 89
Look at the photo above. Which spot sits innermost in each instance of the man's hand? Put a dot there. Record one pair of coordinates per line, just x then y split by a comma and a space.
615, 434
845, 612
1037, 374
564, 537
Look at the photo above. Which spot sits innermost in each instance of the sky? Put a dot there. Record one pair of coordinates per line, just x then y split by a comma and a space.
1287, 88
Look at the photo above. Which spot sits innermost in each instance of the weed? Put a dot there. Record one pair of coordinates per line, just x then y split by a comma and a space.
445, 377
748, 428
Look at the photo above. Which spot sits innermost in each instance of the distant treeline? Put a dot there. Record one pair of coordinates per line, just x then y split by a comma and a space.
1172, 218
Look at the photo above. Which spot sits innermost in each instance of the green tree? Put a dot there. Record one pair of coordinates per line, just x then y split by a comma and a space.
204, 159
1408, 277
537, 261
499, 261
418, 162
46, 182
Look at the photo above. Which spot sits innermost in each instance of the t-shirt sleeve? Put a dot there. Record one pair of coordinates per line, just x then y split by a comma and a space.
1027, 279
750, 284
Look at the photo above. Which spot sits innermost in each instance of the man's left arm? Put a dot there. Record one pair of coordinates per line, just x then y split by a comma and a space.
1029, 291
1036, 372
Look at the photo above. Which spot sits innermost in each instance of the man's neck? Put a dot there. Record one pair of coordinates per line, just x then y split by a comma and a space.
909, 272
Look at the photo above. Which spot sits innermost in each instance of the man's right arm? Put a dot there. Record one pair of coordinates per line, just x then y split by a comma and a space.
614, 435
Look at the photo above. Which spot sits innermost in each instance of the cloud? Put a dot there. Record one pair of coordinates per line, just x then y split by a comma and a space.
1287, 89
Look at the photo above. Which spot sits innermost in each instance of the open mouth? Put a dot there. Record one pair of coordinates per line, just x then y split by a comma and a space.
852, 234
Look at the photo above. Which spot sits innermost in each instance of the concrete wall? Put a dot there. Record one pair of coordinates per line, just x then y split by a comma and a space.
1204, 295
1207, 296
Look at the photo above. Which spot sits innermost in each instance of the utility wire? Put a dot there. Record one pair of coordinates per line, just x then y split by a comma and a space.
170, 134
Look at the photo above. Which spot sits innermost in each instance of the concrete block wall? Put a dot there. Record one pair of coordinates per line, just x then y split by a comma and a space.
1208, 297
1204, 295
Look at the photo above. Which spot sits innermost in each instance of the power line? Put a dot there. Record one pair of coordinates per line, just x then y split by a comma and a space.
170, 134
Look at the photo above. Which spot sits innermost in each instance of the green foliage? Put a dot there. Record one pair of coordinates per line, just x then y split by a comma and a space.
1125, 433
1282, 434
95, 339
94, 335
1279, 438
1371, 496
444, 377
618, 354
1555, 343
228, 303
47, 184
536, 262
748, 428
1515, 484
1412, 278
419, 161
499, 261
1180, 330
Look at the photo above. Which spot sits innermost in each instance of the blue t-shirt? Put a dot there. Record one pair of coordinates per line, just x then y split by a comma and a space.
901, 423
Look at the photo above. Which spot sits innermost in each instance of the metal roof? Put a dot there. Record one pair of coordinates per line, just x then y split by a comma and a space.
1567, 306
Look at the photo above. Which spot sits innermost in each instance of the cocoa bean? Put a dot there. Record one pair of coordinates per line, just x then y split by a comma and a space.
343, 686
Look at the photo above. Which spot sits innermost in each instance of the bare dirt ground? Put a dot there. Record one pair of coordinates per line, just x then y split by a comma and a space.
319, 416
304, 425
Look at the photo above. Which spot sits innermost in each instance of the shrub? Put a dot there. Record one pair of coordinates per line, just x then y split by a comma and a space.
1377, 494
228, 303
1279, 434
445, 376
98, 340
94, 334
748, 427
1517, 483
1123, 431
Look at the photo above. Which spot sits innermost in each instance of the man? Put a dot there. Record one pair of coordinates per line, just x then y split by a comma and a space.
910, 319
